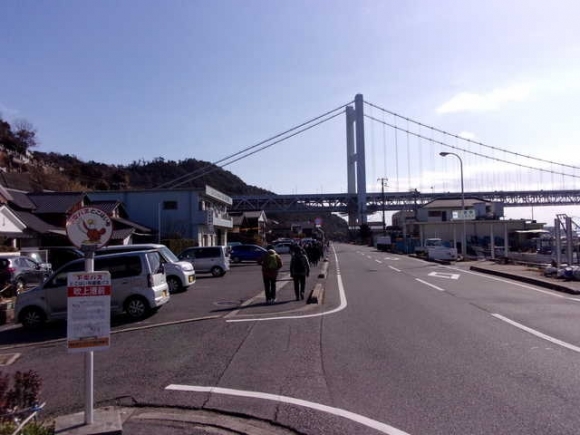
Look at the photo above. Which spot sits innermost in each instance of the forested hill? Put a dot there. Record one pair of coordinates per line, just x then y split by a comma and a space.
189, 173
23, 168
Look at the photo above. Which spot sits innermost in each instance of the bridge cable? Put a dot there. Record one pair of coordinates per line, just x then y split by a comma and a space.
213, 167
479, 154
169, 184
470, 140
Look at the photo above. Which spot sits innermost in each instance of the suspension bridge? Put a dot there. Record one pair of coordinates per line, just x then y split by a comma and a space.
411, 169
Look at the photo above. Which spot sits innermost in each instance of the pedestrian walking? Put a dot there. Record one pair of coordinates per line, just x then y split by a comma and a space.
271, 264
299, 270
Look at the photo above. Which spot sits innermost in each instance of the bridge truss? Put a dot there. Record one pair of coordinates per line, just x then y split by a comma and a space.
395, 201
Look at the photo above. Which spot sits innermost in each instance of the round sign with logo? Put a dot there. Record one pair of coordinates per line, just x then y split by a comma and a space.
89, 227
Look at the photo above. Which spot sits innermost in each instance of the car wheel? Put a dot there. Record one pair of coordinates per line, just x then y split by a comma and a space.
137, 307
32, 318
236, 259
217, 271
174, 284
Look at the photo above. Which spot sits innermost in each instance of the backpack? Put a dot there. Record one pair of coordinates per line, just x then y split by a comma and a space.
300, 265
271, 262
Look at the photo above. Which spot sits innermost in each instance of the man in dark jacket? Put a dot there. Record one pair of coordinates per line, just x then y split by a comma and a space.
299, 270
271, 264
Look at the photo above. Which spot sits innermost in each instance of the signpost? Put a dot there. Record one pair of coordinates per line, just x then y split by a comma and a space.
89, 294
89, 311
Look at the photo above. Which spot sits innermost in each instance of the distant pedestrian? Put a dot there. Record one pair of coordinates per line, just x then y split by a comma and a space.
271, 264
299, 270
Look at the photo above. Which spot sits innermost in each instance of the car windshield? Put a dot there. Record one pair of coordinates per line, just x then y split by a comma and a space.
168, 254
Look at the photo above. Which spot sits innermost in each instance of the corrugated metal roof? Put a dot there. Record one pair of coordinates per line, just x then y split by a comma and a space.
34, 223
56, 202
122, 234
20, 199
133, 225
453, 203
106, 206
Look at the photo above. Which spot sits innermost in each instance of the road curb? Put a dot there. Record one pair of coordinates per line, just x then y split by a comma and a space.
316, 295
530, 280
323, 270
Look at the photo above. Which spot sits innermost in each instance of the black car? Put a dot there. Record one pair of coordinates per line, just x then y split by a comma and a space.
22, 272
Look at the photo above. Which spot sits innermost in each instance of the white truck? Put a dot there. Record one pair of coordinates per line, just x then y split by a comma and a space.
383, 243
434, 250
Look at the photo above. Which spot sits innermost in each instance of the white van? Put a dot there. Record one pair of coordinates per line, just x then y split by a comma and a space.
180, 274
138, 287
208, 259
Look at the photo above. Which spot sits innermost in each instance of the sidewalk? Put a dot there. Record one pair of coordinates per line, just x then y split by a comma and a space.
528, 274
119, 420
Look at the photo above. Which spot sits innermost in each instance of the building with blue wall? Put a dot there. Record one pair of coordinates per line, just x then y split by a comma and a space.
198, 214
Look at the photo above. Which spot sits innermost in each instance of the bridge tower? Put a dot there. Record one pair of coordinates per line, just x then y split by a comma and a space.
355, 155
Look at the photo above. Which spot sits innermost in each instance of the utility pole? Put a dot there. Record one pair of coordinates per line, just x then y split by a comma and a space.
384, 184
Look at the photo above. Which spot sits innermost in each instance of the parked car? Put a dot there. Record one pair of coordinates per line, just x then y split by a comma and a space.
180, 274
22, 272
207, 259
246, 253
56, 256
138, 284
283, 247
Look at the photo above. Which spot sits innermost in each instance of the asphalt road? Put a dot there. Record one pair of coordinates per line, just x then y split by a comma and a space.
398, 346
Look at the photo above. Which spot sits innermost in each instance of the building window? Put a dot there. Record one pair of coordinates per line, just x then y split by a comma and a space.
169, 205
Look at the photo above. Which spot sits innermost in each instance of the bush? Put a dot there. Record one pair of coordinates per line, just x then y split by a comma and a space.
18, 401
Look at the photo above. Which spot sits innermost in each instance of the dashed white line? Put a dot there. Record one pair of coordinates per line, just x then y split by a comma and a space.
377, 425
537, 333
395, 269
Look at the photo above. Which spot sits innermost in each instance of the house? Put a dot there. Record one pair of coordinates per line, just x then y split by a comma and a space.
36, 219
250, 226
198, 214
447, 219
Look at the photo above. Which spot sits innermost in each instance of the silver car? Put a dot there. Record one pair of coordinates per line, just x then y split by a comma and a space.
180, 274
208, 259
138, 283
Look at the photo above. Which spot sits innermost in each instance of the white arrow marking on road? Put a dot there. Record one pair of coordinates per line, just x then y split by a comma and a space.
377, 425
444, 275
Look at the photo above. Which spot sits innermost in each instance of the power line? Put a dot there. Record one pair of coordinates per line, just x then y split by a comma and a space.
476, 153
472, 141
170, 184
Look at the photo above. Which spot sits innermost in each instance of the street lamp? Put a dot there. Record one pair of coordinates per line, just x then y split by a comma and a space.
463, 247
383, 184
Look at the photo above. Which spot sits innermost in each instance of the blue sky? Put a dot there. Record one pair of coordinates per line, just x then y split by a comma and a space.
120, 81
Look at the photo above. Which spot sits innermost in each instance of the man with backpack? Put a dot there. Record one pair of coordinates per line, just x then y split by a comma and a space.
299, 270
271, 263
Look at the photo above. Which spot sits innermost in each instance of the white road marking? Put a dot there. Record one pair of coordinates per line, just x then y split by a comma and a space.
507, 281
537, 333
373, 424
430, 285
379, 261
444, 275
392, 258
395, 269
342, 305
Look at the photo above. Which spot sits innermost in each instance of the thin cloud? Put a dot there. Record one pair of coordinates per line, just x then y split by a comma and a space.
467, 135
6, 112
472, 102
